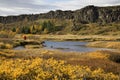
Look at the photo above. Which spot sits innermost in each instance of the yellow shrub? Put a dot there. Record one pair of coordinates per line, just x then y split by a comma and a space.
8, 46
39, 69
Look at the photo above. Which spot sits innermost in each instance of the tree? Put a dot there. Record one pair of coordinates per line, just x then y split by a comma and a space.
13, 29
33, 29
39, 29
48, 26
44, 25
25, 29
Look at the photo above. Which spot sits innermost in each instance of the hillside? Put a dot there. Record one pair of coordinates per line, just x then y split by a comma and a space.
98, 20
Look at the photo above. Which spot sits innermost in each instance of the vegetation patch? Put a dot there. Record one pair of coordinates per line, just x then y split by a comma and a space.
98, 55
104, 44
115, 56
38, 68
28, 43
5, 46
33, 46
5, 34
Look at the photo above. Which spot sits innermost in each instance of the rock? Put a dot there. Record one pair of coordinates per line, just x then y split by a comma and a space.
92, 14
88, 14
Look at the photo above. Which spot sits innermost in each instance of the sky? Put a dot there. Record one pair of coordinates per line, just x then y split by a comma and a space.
16, 7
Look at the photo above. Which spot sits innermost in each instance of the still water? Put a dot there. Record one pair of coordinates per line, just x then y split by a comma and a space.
19, 48
75, 46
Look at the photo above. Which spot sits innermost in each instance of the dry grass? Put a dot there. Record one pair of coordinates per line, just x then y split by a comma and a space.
7, 34
6, 54
97, 55
70, 37
104, 44
5, 46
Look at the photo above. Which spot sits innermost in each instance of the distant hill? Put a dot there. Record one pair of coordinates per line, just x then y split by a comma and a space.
90, 20
88, 14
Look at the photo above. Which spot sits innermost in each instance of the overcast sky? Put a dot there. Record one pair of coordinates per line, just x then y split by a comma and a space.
16, 7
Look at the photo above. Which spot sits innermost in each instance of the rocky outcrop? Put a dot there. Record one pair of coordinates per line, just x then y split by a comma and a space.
91, 14
88, 14
109, 14
10, 19
58, 14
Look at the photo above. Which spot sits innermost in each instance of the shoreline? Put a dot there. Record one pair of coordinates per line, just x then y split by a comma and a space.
71, 37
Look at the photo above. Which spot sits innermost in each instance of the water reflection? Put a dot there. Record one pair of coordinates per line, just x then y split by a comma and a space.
19, 48
76, 46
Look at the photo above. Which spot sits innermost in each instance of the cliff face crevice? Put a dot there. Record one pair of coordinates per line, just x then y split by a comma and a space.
109, 14
88, 14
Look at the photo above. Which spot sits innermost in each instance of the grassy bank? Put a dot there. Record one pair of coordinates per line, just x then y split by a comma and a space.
7, 43
104, 44
70, 37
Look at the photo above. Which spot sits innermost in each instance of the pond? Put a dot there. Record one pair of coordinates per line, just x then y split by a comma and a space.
67, 46
74, 46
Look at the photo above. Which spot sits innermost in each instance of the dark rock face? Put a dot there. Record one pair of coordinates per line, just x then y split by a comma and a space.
91, 14
88, 14
109, 14
59, 14
10, 19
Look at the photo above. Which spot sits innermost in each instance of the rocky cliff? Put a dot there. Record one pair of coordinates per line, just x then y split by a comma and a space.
88, 14
98, 14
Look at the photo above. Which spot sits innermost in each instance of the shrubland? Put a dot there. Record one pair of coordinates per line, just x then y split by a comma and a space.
45, 64
66, 26
47, 69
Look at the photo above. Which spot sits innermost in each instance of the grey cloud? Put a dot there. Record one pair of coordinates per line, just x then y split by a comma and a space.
77, 4
24, 4
24, 7
31, 6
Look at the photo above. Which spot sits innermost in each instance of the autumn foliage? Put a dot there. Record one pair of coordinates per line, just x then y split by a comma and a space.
40, 69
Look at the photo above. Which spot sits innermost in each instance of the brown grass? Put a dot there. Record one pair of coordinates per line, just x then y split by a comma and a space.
104, 44
70, 37
5, 46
